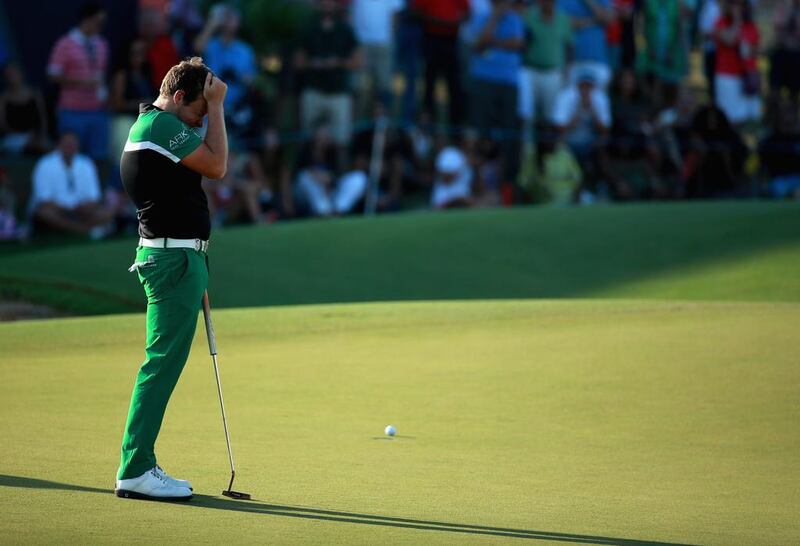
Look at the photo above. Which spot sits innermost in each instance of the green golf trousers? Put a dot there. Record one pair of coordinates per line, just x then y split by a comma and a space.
174, 280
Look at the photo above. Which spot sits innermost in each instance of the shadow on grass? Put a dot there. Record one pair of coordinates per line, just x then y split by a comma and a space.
520, 253
255, 507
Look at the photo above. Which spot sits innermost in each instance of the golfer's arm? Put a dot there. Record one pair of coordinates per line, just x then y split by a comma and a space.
211, 158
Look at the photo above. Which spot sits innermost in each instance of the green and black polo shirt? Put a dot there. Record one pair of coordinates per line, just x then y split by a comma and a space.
168, 196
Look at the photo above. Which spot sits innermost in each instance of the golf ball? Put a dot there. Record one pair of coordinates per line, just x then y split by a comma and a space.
390, 430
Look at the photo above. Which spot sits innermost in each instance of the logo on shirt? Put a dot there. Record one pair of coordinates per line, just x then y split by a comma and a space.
179, 139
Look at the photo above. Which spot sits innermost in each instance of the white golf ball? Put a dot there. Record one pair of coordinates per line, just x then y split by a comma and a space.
390, 430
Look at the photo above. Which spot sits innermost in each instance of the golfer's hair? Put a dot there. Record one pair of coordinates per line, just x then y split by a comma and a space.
188, 76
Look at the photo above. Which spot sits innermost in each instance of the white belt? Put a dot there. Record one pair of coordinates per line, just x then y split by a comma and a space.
197, 244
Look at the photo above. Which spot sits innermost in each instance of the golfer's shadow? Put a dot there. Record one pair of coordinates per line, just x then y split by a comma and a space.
255, 507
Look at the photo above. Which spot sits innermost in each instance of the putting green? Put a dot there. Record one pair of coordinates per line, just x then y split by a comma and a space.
581, 422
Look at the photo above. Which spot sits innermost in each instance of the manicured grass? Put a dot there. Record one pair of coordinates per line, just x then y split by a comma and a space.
699, 251
607, 422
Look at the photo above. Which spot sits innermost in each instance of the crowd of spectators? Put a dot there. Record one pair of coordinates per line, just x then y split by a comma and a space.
384, 105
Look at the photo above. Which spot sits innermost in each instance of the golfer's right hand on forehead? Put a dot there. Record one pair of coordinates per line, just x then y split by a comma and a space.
214, 89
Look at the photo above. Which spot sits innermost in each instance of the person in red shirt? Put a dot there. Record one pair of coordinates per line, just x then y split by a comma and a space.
162, 54
623, 10
737, 80
441, 20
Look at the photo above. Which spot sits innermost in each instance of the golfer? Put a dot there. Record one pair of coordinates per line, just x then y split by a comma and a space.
162, 166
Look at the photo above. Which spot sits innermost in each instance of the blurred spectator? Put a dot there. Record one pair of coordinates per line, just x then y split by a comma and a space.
246, 123
319, 188
160, 49
8, 201
468, 33
582, 116
589, 18
715, 163
452, 187
672, 129
632, 149
423, 140
409, 51
631, 114
441, 20
328, 55
232, 59
737, 80
707, 22
237, 196
779, 153
558, 174
621, 34
78, 64
4, 49
374, 22
784, 72
422, 137
130, 86
666, 52
483, 158
547, 56
395, 169
494, 69
23, 121
66, 193
187, 23
278, 174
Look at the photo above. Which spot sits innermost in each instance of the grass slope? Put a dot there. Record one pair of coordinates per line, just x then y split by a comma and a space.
728, 251
577, 422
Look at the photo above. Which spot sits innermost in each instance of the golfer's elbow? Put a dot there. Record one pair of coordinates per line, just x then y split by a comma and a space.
215, 170
217, 173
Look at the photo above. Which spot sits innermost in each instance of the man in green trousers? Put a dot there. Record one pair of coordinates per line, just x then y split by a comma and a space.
162, 166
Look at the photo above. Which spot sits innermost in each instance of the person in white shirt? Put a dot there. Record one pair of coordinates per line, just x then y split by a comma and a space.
452, 186
66, 193
582, 115
374, 24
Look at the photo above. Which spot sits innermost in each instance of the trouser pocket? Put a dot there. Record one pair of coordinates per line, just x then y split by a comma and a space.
160, 270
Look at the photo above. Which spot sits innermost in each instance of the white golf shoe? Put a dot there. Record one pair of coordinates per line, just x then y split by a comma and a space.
172, 481
151, 486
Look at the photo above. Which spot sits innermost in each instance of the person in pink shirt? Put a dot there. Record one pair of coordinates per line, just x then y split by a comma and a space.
78, 64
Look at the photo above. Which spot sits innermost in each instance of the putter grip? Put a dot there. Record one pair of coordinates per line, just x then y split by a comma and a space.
212, 341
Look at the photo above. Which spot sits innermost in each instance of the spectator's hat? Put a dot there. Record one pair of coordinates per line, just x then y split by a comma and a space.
450, 161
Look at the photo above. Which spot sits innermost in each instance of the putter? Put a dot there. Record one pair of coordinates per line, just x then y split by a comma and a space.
212, 348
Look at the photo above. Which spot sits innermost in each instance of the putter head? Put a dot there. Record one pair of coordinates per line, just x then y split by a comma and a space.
236, 495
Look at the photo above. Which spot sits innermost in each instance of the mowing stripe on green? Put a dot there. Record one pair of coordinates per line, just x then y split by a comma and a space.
729, 251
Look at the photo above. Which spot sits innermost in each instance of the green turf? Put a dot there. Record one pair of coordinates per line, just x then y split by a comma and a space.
606, 421
728, 251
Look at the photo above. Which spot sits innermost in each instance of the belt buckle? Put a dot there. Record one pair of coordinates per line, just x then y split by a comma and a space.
198, 245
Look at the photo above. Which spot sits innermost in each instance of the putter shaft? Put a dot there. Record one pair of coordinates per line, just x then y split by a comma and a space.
212, 348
